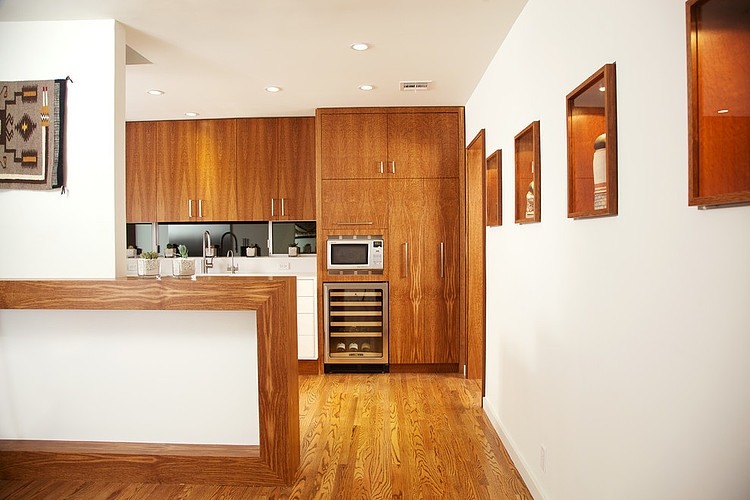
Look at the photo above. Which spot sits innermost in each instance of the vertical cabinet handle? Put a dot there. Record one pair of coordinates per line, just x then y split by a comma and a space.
200, 209
442, 259
272, 207
190, 208
283, 212
393, 166
381, 167
405, 268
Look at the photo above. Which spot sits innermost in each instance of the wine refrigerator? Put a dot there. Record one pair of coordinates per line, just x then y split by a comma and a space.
356, 326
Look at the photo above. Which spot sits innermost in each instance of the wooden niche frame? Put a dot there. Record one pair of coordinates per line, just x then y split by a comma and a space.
494, 189
592, 146
528, 175
718, 34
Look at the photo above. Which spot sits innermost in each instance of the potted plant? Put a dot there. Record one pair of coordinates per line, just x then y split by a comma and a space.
131, 252
169, 251
183, 266
148, 265
293, 250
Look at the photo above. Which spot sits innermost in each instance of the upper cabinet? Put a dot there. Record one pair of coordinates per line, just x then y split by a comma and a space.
140, 174
424, 145
175, 178
353, 145
276, 168
221, 170
216, 170
367, 143
296, 171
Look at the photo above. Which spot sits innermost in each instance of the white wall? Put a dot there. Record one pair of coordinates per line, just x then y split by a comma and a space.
619, 344
80, 234
135, 376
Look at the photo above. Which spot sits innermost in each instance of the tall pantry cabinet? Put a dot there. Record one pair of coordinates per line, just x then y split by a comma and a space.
399, 172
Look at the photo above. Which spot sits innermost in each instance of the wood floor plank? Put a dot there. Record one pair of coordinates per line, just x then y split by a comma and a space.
363, 436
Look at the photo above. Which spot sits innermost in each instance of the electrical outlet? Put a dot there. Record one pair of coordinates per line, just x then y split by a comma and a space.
543, 458
285, 266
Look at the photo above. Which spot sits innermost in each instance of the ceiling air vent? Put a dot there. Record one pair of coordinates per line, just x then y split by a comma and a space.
415, 85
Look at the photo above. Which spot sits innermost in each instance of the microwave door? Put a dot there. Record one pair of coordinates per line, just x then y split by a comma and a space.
350, 255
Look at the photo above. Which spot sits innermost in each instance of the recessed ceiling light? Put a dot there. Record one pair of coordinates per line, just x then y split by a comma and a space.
366, 87
360, 46
191, 114
273, 88
155, 92
723, 111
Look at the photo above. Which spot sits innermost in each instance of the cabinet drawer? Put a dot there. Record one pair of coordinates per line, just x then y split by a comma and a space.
306, 324
305, 305
307, 347
305, 287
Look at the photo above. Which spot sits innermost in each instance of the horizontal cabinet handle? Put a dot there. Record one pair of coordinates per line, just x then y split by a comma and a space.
368, 223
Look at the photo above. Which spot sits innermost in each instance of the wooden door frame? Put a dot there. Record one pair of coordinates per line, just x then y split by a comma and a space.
475, 331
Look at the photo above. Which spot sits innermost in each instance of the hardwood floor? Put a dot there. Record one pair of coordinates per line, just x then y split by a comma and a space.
398, 436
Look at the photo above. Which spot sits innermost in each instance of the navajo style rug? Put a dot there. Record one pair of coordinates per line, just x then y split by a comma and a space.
32, 126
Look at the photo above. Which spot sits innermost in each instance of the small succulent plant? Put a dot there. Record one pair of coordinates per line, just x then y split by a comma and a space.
182, 249
149, 255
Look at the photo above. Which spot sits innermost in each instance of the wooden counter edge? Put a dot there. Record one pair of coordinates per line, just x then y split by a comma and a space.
273, 462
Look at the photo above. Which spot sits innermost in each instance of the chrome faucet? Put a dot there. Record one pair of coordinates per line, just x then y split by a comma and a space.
208, 252
231, 268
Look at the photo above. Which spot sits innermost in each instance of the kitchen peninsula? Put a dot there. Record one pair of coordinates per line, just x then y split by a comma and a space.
273, 461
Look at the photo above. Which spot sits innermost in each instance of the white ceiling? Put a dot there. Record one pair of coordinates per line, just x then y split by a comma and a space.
216, 57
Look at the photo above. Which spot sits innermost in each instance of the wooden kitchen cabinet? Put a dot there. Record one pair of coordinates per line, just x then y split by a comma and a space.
397, 143
140, 171
276, 168
257, 153
353, 204
175, 166
423, 271
399, 172
296, 172
353, 144
423, 145
196, 166
216, 170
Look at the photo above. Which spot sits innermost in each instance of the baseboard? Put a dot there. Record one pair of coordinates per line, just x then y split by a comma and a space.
523, 468
424, 368
308, 367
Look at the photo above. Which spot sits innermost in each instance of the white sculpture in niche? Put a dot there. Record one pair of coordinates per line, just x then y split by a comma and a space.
600, 172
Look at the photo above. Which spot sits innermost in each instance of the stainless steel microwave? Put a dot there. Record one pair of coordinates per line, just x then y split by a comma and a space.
355, 254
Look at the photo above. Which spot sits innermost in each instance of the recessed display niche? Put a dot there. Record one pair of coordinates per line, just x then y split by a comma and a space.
494, 189
718, 37
592, 146
528, 175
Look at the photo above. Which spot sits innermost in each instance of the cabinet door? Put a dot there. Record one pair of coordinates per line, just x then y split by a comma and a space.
423, 145
257, 154
296, 169
140, 171
423, 270
354, 204
353, 145
216, 170
175, 176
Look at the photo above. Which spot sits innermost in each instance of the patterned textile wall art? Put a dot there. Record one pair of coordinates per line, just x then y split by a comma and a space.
32, 126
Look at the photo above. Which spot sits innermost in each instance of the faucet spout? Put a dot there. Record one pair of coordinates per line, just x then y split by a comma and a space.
208, 252
234, 246
232, 268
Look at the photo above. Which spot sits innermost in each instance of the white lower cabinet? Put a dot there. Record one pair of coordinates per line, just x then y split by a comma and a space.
307, 320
